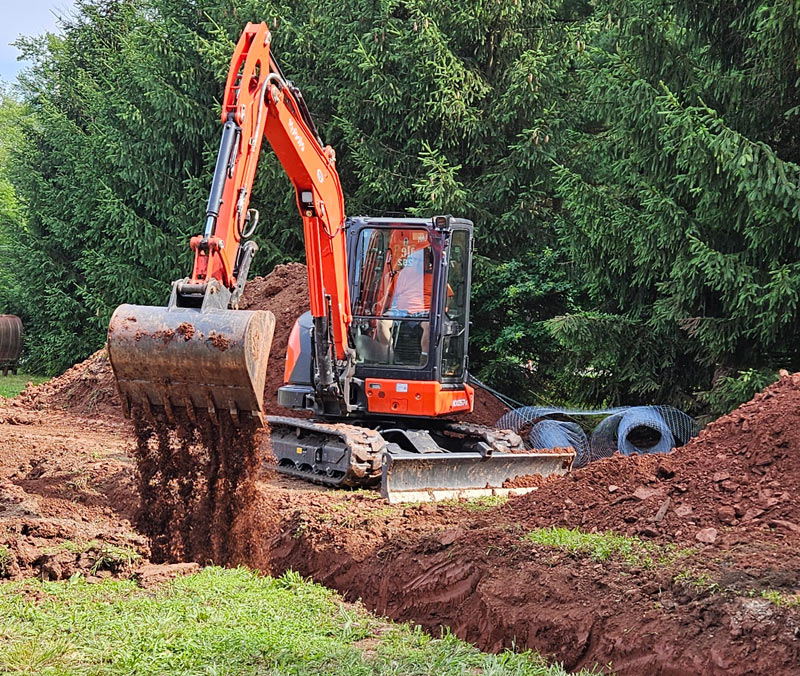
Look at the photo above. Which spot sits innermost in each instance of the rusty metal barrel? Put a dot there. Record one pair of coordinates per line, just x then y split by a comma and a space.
10, 342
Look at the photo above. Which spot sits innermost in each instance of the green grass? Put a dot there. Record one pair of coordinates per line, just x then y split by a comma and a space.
479, 504
11, 386
701, 581
781, 600
217, 622
106, 556
600, 546
5, 559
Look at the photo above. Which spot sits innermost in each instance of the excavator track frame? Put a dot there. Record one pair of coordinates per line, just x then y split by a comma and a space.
341, 455
293, 441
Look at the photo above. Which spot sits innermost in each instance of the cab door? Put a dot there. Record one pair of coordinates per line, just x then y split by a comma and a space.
454, 324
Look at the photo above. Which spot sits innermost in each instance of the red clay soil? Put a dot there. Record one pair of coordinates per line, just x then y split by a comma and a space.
487, 409
86, 389
284, 292
739, 477
728, 500
440, 567
67, 480
67, 495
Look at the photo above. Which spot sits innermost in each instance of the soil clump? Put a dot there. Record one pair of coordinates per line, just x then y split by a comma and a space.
86, 389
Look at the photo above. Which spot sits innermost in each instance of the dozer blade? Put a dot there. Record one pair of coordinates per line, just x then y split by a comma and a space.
422, 477
212, 360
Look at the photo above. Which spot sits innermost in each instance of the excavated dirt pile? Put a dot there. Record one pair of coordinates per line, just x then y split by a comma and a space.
86, 389
285, 293
739, 476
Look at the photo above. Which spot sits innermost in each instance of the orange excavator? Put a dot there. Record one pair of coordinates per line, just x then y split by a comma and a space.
380, 360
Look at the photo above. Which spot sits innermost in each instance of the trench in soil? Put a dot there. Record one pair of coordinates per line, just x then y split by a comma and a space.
715, 592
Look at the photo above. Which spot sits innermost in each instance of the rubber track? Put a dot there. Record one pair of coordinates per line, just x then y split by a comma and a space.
504, 441
365, 448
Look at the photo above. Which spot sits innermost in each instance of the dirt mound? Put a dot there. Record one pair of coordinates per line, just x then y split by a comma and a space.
284, 292
739, 475
487, 409
86, 389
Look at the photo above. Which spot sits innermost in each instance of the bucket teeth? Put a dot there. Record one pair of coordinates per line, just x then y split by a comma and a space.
188, 359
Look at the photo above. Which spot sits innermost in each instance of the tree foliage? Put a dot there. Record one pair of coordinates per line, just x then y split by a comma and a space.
632, 169
420, 100
12, 115
680, 198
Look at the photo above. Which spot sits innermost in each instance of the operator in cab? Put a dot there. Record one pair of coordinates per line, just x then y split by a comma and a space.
411, 297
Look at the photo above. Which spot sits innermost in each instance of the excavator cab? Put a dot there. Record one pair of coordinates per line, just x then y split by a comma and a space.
410, 288
409, 283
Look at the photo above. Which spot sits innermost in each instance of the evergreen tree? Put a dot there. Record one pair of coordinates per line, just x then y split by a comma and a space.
680, 201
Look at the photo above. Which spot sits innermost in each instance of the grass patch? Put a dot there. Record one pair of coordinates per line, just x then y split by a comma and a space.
72, 546
701, 581
781, 600
230, 622
107, 556
484, 502
600, 546
12, 385
113, 557
470, 504
5, 560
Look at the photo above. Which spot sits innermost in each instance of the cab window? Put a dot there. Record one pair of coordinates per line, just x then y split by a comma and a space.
392, 299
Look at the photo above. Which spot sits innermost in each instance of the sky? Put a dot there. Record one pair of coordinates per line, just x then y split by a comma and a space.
25, 17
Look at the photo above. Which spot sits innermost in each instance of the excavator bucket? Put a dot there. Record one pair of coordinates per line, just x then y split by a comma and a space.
182, 357
424, 477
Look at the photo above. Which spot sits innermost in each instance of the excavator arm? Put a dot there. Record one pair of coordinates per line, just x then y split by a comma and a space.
151, 367
259, 101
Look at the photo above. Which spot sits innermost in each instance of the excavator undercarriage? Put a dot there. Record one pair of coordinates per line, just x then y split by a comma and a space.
454, 460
